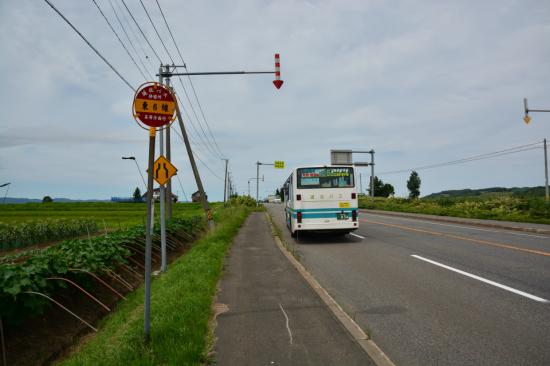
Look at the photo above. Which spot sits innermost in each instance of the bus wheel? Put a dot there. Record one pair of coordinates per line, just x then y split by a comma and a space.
294, 233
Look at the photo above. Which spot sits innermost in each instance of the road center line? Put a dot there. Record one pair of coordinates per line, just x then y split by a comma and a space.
496, 284
461, 226
477, 241
357, 236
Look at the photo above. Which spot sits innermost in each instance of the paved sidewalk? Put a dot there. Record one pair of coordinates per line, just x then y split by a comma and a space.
274, 317
497, 224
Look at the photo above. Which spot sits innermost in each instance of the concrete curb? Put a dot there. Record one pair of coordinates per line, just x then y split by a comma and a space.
368, 345
457, 221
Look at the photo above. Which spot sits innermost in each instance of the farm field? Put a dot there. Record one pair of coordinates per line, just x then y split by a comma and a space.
111, 215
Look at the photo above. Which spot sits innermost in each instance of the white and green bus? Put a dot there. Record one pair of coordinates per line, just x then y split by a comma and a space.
321, 198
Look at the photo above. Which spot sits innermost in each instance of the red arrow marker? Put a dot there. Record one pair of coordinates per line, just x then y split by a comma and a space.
277, 82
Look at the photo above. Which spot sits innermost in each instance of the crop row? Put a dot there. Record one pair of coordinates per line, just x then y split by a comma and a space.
37, 232
24, 274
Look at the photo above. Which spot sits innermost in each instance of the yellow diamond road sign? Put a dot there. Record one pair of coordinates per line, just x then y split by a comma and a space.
163, 170
279, 164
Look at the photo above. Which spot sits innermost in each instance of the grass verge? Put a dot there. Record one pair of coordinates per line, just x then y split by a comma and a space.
180, 309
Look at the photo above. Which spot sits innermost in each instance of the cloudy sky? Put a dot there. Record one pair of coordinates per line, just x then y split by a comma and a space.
421, 82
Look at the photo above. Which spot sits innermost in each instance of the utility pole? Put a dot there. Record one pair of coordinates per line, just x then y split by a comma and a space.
371, 152
360, 183
527, 119
169, 157
164, 260
546, 193
7, 190
257, 183
225, 182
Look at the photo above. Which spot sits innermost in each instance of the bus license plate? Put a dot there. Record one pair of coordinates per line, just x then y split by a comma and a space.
342, 216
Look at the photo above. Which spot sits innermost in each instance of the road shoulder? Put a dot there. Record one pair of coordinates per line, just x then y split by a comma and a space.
272, 316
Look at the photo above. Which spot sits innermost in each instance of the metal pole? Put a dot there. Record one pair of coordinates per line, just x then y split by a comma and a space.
148, 232
169, 202
546, 194
162, 203
5, 195
257, 183
249, 187
225, 182
372, 175
360, 183
204, 201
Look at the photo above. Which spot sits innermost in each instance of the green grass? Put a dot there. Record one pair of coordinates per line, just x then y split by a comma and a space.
111, 215
494, 207
180, 309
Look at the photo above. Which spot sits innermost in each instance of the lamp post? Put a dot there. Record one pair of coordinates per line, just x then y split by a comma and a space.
137, 166
7, 189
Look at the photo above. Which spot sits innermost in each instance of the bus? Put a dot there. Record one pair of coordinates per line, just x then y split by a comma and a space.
321, 198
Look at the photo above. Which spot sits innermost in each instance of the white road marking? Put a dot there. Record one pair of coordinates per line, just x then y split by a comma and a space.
357, 236
287, 327
462, 227
496, 284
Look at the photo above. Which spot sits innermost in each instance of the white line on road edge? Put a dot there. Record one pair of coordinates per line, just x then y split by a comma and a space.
518, 292
357, 236
460, 226
287, 327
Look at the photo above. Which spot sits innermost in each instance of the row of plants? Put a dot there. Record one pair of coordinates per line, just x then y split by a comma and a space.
20, 278
509, 208
24, 234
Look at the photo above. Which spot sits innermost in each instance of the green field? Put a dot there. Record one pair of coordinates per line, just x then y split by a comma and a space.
505, 207
111, 215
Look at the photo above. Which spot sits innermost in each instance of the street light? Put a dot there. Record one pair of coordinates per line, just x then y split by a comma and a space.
7, 189
139, 170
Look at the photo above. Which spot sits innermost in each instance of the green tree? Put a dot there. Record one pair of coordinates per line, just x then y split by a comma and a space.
382, 189
386, 190
47, 199
413, 184
137, 195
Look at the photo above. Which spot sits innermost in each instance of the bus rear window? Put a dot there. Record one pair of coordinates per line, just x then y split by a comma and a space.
325, 178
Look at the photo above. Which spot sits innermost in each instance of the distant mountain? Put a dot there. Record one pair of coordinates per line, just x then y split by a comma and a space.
494, 191
36, 200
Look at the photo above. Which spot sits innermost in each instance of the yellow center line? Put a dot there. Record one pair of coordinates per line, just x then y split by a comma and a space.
485, 242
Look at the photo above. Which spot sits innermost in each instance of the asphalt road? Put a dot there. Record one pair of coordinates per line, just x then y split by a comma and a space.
432, 293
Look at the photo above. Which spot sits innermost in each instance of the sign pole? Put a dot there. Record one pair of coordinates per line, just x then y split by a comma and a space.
148, 232
162, 201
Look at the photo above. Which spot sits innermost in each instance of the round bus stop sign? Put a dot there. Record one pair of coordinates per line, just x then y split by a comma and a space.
154, 105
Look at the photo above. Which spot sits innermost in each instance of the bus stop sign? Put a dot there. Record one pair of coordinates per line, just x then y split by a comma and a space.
154, 105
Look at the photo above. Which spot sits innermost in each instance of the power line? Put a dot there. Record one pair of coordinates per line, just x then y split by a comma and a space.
128, 37
181, 186
190, 81
200, 160
89, 44
134, 34
120, 40
508, 151
156, 31
143, 34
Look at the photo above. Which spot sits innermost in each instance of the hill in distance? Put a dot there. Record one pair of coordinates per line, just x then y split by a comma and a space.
494, 191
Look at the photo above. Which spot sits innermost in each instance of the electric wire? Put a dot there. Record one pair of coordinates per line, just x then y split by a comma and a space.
212, 150
190, 81
90, 45
156, 31
128, 37
120, 40
181, 186
199, 159
512, 150
141, 31
124, 17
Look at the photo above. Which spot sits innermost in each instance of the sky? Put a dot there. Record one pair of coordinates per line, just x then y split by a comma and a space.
420, 82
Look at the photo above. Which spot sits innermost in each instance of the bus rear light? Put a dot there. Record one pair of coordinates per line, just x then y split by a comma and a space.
299, 217
298, 197
354, 215
353, 196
